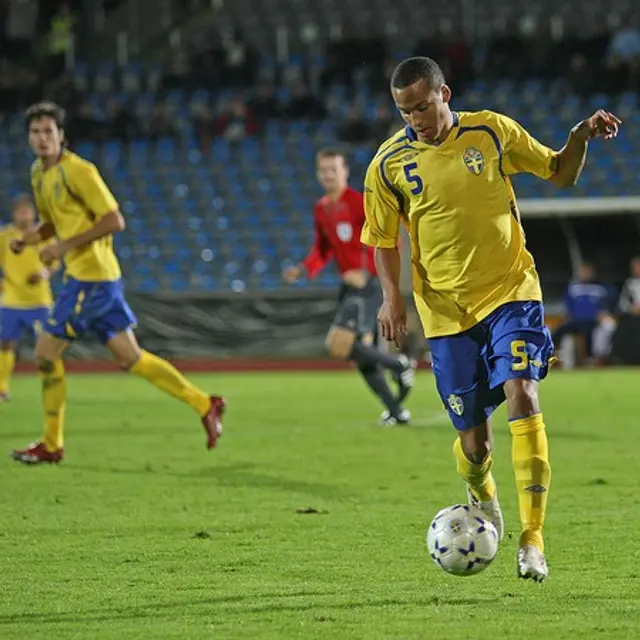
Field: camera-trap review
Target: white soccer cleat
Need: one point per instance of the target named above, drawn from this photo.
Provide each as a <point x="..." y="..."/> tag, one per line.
<point x="491" y="509"/>
<point x="387" y="420"/>
<point x="532" y="564"/>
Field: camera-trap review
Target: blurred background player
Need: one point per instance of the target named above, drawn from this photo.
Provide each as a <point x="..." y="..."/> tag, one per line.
<point x="476" y="286"/>
<point x="338" y="221"/>
<point x="25" y="289"/>
<point x="76" y="205"/>
<point x="589" y="305"/>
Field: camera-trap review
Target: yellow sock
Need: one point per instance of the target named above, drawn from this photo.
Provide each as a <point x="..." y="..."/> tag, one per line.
<point x="477" y="476"/>
<point x="531" y="467"/>
<point x="54" y="396"/>
<point x="166" y="377"/>
<point x="7" y="363"/>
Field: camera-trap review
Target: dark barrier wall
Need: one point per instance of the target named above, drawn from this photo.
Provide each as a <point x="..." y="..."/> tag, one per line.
<point x="273" y="325"/>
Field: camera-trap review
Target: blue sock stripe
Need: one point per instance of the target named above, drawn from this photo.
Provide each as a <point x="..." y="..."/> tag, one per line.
<point x="535" y="415"/>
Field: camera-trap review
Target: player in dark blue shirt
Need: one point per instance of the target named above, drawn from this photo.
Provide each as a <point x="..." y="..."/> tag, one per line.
<point x="589" y="303"/>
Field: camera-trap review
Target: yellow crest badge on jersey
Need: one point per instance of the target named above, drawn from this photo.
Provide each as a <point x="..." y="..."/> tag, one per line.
<point x="455" y="404"/>
<point x="473" y="160"/>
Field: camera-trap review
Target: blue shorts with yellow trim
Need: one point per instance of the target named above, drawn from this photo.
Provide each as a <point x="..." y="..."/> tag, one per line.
<point x="14" y="323"/>
<point x="472" y="367"/>
<point x="99" y="307"/>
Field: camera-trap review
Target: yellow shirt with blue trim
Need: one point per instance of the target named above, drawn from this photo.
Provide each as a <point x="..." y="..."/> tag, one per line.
<point x="72" y="196"/>
<point x="467" y="243"/>
<point x="17" y="292"/>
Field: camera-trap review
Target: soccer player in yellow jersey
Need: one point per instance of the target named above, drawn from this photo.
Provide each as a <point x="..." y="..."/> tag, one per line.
<point x="446" y="175"/>
<point x="76" y="206"/>
<point x="25" y="296"/>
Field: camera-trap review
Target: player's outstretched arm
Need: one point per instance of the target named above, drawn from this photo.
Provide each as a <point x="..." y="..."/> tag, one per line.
<point x="571" y="158"/>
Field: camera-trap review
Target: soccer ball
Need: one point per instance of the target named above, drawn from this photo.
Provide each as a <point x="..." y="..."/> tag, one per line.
<point x="461" y="540"/>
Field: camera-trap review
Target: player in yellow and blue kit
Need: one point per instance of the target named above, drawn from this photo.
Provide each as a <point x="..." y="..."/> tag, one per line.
<point x="446" y="175"/>
<point x="76" y="206"/>
<point x="25" y="290"/>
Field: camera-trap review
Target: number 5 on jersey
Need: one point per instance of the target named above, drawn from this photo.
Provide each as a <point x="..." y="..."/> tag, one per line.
<point x="520" y="355"/>
<point x="410" y="173"/>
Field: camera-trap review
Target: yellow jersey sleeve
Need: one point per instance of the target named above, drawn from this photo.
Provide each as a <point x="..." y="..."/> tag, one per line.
<point x="381" y="208"/>
<point x="85" y="182"/>
<point x="522" y="153"/>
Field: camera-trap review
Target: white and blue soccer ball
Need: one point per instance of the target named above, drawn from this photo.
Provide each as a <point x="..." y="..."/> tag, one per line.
<point x="461" y="540"/>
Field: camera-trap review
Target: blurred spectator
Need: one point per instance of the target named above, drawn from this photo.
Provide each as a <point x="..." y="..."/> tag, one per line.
<point x="161" y="124"/>
<point x="355" y="128"/>
<point x="626" y="341"/>
<point x="385" y="123"/>
<point x="355" y="52"/>
<point x="61" y="31"/>
<point x="580" y="77"/>
<point x="630" y="296"/>
<point x="457" y="54"/>
<point x="122" y="125"/>
<point x="236" y="122"/>
<point x="305" y="105"/>
<point x="19" y="85"/>
<point x="240" y="62"/>
<point x="178" y="72"/>
<point x="625" y="44"/>
<point x="266" y="105"/>
<point x="21" y="23"/>
<point x="84" y="127"/>
<point x="205" y="128"/>
<point x="588" y="305"/>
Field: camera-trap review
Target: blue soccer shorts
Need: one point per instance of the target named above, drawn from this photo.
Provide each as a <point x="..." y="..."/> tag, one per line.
<point x="14" y="323"/>
<point x="97" y="307"/>
<point x="471" y="367"/>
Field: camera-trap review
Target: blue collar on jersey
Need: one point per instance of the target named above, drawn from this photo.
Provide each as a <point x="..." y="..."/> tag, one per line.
<point x="411" y="134"/>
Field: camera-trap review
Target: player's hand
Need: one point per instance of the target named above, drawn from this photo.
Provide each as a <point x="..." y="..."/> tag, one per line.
<point x="52" y="252"/>
<point x="602" y="124"/>
<point x="34" y="278"/>
<point x="392" y="319"/>
<point x="17" y="245"/>
<point x="292" y="274"/>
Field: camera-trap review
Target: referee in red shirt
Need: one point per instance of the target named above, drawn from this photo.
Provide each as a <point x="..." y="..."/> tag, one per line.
<point x="338" y="221"/>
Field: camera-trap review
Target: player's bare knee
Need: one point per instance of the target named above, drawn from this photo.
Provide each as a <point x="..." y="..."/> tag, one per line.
<point x="522" y="397"/>
<point x="339" y="343"/>
<point x="6" y="345"/>
<point x="126" y="361"/>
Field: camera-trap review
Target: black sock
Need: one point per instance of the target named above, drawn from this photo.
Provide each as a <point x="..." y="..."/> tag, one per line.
<point x="365" y="356"/>
<point x="375" y="379"/>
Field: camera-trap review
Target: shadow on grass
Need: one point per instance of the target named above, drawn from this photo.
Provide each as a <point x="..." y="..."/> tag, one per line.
<point x="251" y="604"/>
<point x="235" y="476"/>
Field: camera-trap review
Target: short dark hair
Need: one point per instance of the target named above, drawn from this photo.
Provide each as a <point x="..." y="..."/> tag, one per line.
<point x="333" y="152"/>
<point x="412" y="70"/>
<point x="21" y="200"/>
<point x="45" y="110"/>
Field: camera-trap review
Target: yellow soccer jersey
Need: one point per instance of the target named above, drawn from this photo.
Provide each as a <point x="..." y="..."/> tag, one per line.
<point x="17" y="293"/>
<point x="467" y="243"/>
<point x="72" y="196"/>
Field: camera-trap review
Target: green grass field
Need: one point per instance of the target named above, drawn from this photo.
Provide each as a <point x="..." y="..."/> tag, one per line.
<point x="308" y="521"/>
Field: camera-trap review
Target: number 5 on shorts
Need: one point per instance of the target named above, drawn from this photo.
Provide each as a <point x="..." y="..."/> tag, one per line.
<point x="521" y="357"/>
